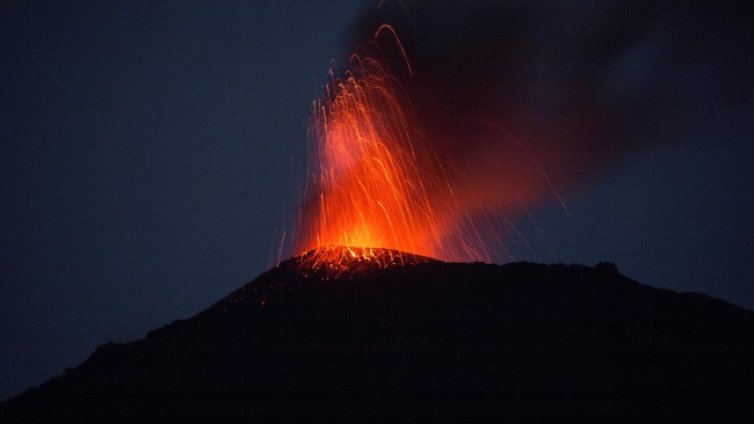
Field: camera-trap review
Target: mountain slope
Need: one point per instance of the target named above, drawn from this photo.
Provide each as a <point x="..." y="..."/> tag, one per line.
<point x="430" y="340"/>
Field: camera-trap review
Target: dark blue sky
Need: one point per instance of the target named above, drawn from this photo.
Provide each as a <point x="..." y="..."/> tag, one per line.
<point x="148" y="154"/>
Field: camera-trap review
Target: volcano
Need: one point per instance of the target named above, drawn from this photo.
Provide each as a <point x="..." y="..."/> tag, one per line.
<point x="353" y="335"/>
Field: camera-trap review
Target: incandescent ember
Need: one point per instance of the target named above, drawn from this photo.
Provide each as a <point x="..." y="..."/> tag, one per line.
<point x="373" y="179"/>
<point x="340" y="261"/>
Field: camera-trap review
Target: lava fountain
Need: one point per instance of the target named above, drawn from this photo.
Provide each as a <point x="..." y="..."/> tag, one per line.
<point x="373" y="179"/>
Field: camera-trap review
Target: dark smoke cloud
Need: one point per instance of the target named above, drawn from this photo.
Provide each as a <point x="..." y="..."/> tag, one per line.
<point x="511" y="91"/>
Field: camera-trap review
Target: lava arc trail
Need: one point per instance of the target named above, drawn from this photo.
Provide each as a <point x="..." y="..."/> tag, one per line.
<point x="373" y="179"/>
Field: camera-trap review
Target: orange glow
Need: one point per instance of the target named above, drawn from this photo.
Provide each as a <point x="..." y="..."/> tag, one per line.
<point x="373" y="180"/>
<point x="336" y="261"/>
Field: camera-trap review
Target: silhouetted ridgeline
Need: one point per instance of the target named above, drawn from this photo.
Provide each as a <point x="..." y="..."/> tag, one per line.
<point x="439" y="341"/>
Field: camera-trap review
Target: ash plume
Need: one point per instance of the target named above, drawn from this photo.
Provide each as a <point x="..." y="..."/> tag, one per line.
<point x="527" y="102"/>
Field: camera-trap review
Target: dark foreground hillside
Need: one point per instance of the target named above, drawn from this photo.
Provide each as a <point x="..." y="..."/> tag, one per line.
<point x="427" y="341"/>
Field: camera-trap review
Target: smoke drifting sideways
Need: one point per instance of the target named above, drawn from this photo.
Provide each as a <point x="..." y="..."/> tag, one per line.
<point x="527" y="103"/>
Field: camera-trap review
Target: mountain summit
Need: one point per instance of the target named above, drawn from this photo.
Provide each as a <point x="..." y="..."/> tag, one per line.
<point x="379" y="335"/>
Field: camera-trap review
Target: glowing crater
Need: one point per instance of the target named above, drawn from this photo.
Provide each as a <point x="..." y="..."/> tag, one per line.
<point x="339" y="261"/>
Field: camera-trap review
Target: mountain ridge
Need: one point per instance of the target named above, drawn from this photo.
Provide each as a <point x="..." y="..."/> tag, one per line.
<point x="430" y="339"/>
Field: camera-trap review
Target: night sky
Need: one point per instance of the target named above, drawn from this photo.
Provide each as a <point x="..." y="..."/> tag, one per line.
<point x="149" y="154"/>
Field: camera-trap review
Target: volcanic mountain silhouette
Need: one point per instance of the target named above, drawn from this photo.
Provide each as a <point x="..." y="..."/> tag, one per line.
<point x="396" y="337"/>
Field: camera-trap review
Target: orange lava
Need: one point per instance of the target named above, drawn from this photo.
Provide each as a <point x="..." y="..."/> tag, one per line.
<point x="373" y="179"/>
<point x="338" y="261"/>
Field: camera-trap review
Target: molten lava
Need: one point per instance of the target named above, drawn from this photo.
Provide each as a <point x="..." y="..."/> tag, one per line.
<point x="339" y="261"/>
<point x="373" y="179"/>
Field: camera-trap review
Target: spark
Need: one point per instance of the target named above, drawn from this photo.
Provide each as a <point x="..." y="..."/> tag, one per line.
<point x="376" y="184"/>
<point x="373" y="182"/>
